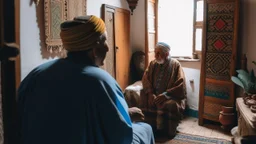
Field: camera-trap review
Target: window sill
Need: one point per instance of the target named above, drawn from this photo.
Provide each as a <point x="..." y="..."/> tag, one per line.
<point x="187" y="60"/>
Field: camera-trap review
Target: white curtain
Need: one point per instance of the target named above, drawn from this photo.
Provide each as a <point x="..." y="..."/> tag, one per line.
<point x="175" y="21"/>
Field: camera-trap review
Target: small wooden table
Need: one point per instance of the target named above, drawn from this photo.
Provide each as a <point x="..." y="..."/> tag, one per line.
<point x="246" y="119"/>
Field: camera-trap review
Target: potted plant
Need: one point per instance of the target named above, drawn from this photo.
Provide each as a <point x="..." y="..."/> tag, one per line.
<point x="247" y="81"/>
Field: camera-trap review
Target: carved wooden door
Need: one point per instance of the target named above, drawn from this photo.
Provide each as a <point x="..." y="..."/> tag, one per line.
<point x="219" y="56"/>
<point x="109" y="17"/>
<point x="118" y="30"/>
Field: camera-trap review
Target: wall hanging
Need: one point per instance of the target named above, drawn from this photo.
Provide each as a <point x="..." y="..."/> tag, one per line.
<point x="55" y="12"/>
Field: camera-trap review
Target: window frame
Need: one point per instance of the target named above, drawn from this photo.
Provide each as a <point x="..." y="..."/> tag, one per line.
<point x="197" y="25"/>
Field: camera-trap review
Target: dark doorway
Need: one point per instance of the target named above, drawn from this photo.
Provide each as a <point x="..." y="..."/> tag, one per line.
<point x="8" y="52"/>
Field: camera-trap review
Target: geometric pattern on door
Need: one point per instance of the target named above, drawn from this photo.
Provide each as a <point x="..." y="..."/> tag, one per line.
<point x="217" y="90"/>
<point x="220" y="27"/>
<point x="221" y="8"/>
<point x="212" y="110"/>
<point x="218" y="66"/>
<point x="219" y="43"/>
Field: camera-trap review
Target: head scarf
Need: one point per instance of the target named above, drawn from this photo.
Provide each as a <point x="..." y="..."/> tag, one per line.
<point x="82" y="33"/>
<point x="163" y="46"/>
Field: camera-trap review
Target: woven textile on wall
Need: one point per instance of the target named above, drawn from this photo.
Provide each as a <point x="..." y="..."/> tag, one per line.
<point x="220" y="31"/>
<point x="55" y="12"/>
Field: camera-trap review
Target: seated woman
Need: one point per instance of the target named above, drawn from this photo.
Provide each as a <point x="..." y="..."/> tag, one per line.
<point x="164" y="87"/>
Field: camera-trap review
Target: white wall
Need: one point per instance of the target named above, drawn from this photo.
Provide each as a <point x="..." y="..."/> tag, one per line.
<point x="248" y="31"/>
<point x="30" y="43"/>
<point x="138" y="27"/>
<point x="192" y="73"/>
<point x="94" y="6"/>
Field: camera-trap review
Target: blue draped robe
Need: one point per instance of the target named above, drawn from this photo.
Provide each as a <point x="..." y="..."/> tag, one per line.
<point x="62" y="102"/>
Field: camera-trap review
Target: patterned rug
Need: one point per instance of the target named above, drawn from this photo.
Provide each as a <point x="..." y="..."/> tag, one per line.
<point x="182" y="138"/>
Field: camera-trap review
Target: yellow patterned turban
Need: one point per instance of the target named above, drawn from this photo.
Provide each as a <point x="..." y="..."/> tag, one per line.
<point x="82" y="33"/>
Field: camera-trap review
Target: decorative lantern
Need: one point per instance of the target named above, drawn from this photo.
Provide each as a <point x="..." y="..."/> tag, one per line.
<point x="132" y="5"/>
